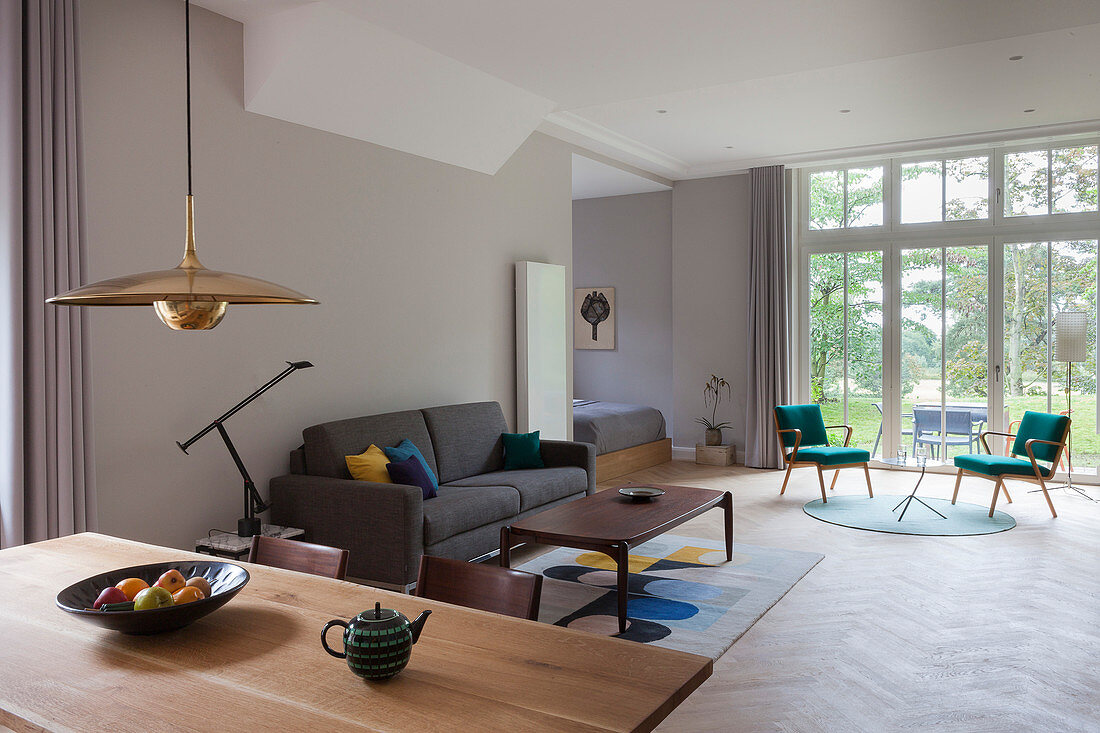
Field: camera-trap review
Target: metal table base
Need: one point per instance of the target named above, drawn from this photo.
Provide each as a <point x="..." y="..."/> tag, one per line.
<point x="913" y="497"/>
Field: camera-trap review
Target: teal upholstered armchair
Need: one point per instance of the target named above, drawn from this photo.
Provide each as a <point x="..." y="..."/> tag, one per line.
<point x="1041" y="437"/>
<point x="804" y="442"/>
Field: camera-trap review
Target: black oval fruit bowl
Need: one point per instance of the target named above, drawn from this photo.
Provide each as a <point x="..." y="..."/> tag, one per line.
<point x="226" y="580"/>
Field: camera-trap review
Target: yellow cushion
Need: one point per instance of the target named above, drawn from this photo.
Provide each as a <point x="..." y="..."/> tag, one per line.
<point x="369" y="466"/>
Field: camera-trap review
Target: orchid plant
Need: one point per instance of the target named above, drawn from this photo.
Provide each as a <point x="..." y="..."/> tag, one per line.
<point x="712" y="397"/>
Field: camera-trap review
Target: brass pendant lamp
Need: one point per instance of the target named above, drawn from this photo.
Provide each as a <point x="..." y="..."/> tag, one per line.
<point x="188" y="297"/>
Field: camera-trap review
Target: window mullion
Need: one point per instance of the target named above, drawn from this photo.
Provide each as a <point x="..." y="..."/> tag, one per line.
<point x="844" y="392"/>
<point x="943" y="353"/>
<point x="844" y="212"/>
<point x="943" y="190"/>
<point x="1050" y="325"/>
<point x="1050" y="181"/>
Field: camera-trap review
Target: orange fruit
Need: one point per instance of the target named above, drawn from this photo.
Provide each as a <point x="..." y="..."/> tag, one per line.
<point x="187" y="594"/>
<point x="171" y="581"/>
<point x="131" y="587"/>
<point x="200" y="582"/>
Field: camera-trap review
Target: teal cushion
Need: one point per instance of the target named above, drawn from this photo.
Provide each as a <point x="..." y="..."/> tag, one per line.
<point x="806" y="418"/>
<point x="1040" y="426"/>
<point x="521" y="450"/>
<point x="995" y="465"/>
<point x="406" y="449"/>
<point x="830" y="456"/>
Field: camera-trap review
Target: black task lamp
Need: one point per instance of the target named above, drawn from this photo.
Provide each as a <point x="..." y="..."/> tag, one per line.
<point x="249" y="524"/>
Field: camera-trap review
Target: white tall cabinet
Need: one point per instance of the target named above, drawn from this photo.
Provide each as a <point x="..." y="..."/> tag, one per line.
<point x="542" y="351"/>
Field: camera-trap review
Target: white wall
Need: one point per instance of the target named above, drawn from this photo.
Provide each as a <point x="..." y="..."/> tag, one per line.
<point x="710" y="261"/>
<point x="626" y="242"/>
<point x="412" y="261"/>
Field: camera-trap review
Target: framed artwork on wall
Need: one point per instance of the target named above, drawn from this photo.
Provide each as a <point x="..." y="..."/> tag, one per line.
<point x="594" y="318"/>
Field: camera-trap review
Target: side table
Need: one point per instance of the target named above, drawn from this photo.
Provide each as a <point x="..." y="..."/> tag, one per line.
<point x="927" y="463"/>
<point x="231" y="545"/>
<point x="715" y="455"/>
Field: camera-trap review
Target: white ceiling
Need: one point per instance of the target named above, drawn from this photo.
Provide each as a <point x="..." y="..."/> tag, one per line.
<point x="593" y="179"/>
<point x="744" y="82"/>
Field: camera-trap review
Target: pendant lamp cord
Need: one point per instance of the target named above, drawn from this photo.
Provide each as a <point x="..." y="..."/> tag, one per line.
<point x="187" y="43"/>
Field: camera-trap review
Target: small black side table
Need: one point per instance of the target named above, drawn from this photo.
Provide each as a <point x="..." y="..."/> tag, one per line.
<point x="912" y="462"/>
<point x="233" y="546"/>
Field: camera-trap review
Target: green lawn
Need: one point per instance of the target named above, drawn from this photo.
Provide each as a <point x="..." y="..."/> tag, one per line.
<point x="865" y="420"/>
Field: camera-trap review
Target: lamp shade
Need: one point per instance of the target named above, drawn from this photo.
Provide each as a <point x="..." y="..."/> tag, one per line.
<point x="187" y="297"/>
<point x="1071" y="331"/>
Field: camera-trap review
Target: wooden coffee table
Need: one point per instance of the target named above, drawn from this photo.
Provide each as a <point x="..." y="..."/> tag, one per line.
<point x="611" y="523"/>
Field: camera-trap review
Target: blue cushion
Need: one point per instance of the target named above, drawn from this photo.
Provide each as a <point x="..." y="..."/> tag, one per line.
<point x="522" y="450"/>
<point x="1040" y="426"/>
<point x="806" y="418"/>
<point x="831" y="456"/>
<point x="995" y="465"/>
<point x="412" y="472"/>
<point x="407" y="448"/>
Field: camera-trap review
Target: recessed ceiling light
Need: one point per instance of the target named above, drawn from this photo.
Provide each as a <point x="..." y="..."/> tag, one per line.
<point x="662" y="111"/>
<point x="729" y="147"/>
<point x="845" y="111"/>
<point x="1015" y="58"/>
<point x="1030" y="110"/>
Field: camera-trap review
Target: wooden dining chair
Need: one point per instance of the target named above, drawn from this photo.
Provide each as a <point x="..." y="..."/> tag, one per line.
<point x="1041" y="437"/>
<point x="477" y="585"/>
<point x="305" y="557"/>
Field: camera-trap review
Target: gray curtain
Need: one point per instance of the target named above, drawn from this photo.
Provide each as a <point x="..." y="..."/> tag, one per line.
<point x="46" y="488"/>
<point x="769" y="316"/>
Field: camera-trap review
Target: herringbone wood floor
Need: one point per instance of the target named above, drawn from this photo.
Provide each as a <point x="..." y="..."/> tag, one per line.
<point x="896" y="633"/>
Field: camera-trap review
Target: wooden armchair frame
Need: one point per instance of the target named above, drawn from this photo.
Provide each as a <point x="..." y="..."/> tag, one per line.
<point x="793" y="462"/>
<point x="1039" y="477"/>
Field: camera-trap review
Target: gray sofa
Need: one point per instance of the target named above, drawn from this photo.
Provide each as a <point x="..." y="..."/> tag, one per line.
<point x="387" y="527"/>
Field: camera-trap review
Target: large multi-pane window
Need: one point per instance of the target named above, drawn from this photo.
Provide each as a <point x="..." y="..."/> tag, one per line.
<point x="931" y="288"/>
<point x="1050" y="181"/>
<point x="849" y="198"/>
<point x="948" y="189"/>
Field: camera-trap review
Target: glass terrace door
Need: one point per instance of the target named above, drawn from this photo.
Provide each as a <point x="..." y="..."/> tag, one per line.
<point x="1042" y="280"/>
<point x="944" y="353"/>
<point x="846" y="343"/>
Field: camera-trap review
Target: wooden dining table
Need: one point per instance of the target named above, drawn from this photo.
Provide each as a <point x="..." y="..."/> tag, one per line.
<point x="257" y="662"/>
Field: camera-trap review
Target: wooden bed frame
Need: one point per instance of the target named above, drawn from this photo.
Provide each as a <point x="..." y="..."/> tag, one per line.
<point x="627" y="460"/>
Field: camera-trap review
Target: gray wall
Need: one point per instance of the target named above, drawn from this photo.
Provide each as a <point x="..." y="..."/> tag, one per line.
<point x="412" y="261"/>
<point x="703" y="225"/>
<point x="710" y="260"/>
<point x="626" y="242"/>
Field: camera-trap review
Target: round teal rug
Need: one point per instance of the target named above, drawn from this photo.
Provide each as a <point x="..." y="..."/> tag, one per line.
<point x="875" y="515"/>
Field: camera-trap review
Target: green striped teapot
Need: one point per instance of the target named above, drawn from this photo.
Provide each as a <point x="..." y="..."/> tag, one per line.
<point x="377" y="643"/>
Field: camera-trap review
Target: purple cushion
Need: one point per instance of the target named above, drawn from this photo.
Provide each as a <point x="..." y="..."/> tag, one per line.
<point x="410" y="472"/>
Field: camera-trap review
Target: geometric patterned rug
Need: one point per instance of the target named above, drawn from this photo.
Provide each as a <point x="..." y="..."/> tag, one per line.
<point x="682" y="592"/>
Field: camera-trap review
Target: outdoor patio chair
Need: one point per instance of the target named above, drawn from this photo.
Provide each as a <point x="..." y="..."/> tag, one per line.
<point x="1041" y="437"/>
<point x="878" y="406"/>
<point x="961" y="428"/>
<point x="801" y="430"/>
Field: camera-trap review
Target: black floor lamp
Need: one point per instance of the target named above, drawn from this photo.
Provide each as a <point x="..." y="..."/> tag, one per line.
<point x="249" y="524"/>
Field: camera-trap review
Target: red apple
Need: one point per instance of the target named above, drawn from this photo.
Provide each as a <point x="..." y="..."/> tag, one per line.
<point x="110" y="595"/>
